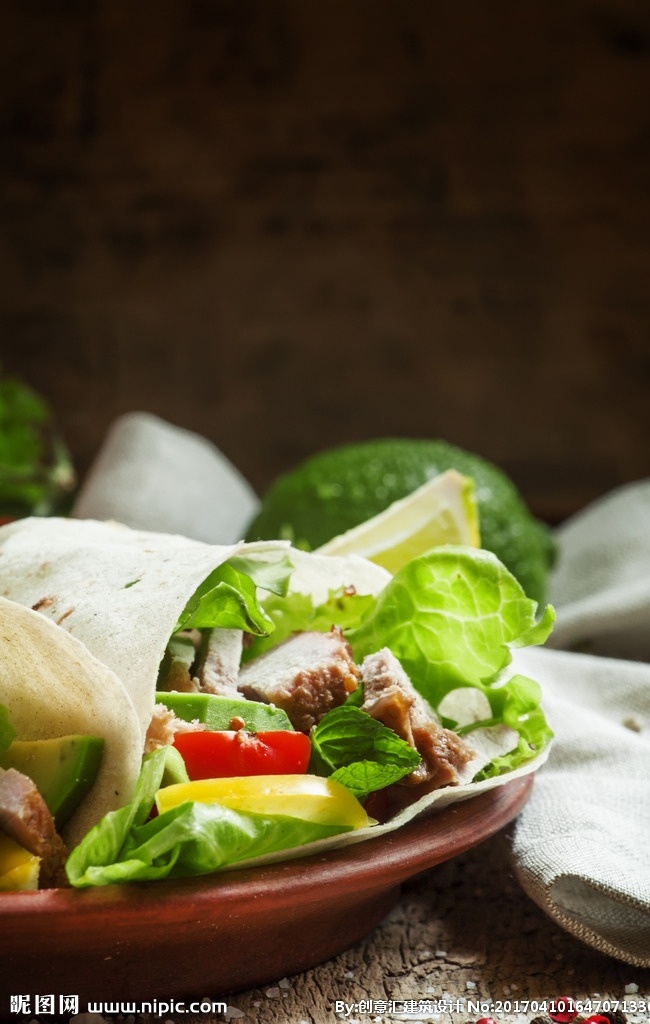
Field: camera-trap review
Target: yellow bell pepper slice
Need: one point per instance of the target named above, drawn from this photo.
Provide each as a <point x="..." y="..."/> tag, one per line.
<point x="308" y="797"/>
<point x="19" y="869"/>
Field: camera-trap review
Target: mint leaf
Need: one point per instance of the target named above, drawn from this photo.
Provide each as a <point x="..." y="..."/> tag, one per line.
<point x="359" y="751"/>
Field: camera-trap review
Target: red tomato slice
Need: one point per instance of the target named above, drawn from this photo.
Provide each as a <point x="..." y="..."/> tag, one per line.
<point x="223" y="754"/>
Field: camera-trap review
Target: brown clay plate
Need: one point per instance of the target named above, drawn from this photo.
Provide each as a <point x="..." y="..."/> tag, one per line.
<point x="234" y="930"/>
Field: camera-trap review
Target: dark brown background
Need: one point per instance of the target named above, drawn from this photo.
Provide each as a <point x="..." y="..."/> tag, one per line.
<point x="287" y="225"/>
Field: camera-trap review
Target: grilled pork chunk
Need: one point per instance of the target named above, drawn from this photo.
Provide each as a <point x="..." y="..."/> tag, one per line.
<point x="391" y="698"/>
<point x="305" y="675"/>
<point x="25" y="817"/>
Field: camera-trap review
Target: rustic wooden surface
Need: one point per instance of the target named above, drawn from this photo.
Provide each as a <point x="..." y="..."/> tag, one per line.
<point x="287" y="225"/>
<point x="462" y="931"/>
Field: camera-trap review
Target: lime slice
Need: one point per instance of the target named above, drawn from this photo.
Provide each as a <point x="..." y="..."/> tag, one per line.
<point x="442" y="511"/>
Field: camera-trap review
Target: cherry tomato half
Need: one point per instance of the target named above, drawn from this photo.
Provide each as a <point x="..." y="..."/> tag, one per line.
<point x="220" y="755"/>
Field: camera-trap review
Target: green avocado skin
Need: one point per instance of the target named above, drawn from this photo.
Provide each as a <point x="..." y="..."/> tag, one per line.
<point x="63" y="769"/>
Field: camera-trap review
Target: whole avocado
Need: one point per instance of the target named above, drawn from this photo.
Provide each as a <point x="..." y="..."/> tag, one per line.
<point x="336" y="489"/>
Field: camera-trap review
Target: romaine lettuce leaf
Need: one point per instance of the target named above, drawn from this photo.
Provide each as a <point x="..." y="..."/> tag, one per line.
<point x="227" y="598"/>
<point x="273" y="576"/>
<point x="296" y="612"/>
<point x="197" y="838"/>
<point x="101" y="846"/>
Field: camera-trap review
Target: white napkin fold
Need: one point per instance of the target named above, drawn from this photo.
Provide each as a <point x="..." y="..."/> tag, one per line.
<point x="581" y="845"/>
<point x="601" y="583"/>
<point x="151" y="475"/>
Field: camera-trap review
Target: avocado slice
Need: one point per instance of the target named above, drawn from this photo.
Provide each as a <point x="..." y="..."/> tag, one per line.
<point x="174" y="770"/>
<point x="217" y="712"/>
<point x="63" y="769"/>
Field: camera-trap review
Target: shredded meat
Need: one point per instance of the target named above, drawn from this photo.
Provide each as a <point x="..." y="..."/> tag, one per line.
<point x="163" y="727"/>
<point x="25" y="817"/>
<point x="305" y="675"/>
<point x="391" y="698"/>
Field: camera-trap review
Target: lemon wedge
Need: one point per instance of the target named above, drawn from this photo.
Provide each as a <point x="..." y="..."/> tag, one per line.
<point x="441" y="511"/>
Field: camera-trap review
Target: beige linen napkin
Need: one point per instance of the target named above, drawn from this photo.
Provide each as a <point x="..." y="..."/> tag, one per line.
<point x="151" y="475"/>
<point x="581" y="846"/>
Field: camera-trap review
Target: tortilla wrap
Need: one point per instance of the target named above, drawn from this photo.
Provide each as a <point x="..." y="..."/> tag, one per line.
<point x="52" y="686"/>
<point x="120" y="593"/>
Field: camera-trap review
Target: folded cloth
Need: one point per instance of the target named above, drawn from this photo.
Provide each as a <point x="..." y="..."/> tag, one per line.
<point x="580" y="847"/>
<point x="151" y="475"/>
<point x="601" y="583"/>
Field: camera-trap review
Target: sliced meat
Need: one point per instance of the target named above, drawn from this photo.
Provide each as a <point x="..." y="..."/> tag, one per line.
<point x="219" y="660"/>
<point x="176" y="668"/>
<point x="164" y="726"/>
<point x="25" y="817"/>
<point x="305" y="675"/>
<point x="391" y="698"/>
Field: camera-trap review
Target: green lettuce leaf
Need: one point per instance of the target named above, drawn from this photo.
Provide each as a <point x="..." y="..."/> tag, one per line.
<point x="452" y="618"/>
<point x="36" y="472"/>
<point x="228" y="599"/>
<point x="191" y="839"/>
<point x="273" y="576"/>
<point x="359" y="752"/>
<point x="297" y="612"/>
<point x="101" y="846"/>
<point x="517" y="703"/>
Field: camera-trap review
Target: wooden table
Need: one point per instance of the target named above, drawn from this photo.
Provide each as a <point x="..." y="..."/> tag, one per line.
<point x="461" y="933"/>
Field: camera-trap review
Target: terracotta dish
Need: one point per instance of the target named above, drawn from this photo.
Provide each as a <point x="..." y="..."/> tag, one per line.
<point x="231" y="931"/>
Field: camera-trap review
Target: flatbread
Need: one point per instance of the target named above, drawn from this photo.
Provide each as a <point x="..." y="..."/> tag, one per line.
<point x="120" y="592"/>
<point x="52" y="686"/>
